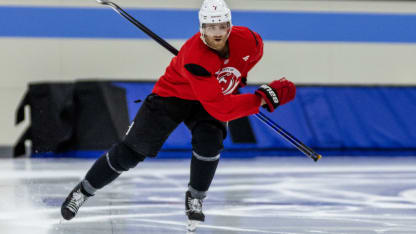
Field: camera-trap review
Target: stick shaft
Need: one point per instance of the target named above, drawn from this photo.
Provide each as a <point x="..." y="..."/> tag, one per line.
<point x="142" y="27"/>
<point x="289" y="137"/>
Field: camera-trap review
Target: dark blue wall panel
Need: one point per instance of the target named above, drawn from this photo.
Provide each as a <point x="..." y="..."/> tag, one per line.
<point x="332" y="120"/>
<point x="340" y="120"/>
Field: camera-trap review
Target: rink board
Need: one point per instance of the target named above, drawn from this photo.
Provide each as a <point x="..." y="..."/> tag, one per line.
<point x="333" y="120"/>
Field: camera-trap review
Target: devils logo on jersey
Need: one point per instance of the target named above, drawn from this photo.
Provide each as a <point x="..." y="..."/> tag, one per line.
<point x="228" y="78"/>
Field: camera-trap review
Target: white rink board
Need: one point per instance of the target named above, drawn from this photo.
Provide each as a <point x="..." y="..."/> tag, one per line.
<point x="304" y="63"/>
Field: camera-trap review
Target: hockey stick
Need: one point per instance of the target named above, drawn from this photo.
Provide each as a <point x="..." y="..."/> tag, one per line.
<point x="293" y="140"/>
<point x="289" y="137"/>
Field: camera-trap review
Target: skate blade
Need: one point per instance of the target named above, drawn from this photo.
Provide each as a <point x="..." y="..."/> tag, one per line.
<point x="192" y="225"/>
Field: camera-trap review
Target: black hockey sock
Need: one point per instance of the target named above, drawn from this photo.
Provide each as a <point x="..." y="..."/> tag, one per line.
<point x="108" y="167"/>
<point x="202" y="173"/>
<point x="100" y="174"/>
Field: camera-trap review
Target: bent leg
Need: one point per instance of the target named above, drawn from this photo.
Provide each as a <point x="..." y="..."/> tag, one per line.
<point x="207" y="138"/>
<point x="149" y="130"/>
<point x="207" y="144"/>
<point x="145" y="137"/>
<point x="105" y="170"/>
<point x="109" y="166"/>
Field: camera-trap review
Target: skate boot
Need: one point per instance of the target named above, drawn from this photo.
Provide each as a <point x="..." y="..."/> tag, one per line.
<point x="73" y="202"/>
<point x="193" y="208"/>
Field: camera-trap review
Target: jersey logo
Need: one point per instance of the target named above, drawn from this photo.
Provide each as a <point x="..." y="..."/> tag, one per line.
<point x="228" y="78"/>
<point x="246" y="58"/>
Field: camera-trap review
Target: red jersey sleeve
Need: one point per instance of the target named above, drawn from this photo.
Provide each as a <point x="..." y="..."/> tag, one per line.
<point x="258" y="51"/>
<point x="256" y="42"/>
<point x="220" y="106"/>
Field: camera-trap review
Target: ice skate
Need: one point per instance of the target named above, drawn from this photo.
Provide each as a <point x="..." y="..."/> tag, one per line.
<point x="193" y="208"/>
<point x="73" y="202"/>
<point x="192" y="225"/>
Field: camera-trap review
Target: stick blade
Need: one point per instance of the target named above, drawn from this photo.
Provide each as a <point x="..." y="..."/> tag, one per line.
<point x="316" y="157"/>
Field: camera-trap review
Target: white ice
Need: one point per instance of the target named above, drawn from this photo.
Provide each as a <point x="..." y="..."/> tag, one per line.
<point x="264" y="195"/>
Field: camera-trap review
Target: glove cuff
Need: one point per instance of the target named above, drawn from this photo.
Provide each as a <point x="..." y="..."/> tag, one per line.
<point x="269" y="95"/>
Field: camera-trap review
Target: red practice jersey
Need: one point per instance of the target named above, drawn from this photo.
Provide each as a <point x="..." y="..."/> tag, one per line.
<point x="199" y="73"/>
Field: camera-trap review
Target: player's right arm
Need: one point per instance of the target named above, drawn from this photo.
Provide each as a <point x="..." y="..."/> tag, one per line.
<point x="222" y="107"/>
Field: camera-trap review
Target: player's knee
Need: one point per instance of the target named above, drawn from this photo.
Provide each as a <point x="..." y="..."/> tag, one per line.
<point x="122" y="158"/>
<point x="207" y="140"/>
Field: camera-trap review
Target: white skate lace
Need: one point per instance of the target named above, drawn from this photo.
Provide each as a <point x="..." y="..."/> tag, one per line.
<point x="76" y="201"/>
<point x="195" y="205"/>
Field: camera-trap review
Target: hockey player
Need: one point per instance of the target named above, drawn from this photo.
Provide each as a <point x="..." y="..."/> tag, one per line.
<point x="199" y="89"/>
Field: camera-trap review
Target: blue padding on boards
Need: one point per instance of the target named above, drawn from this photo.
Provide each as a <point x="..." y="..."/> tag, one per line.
<point x="333" y="119"/>
<point x="342" y="120"/>
<point x="353" y="119"/>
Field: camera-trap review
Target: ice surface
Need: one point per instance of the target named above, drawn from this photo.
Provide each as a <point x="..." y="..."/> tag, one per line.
<point x="265" y="195"/>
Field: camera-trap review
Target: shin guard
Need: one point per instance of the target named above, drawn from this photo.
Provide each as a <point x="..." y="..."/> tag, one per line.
<point x="202" y="172"/>
<point x="108" y="167"/>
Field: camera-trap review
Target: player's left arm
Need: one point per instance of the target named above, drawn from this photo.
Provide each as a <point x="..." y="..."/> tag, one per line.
<point x="257" y="53"/>
<point x="256" y="43"/>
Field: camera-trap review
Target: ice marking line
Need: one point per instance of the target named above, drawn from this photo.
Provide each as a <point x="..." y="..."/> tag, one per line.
<point x="171" y="181"/>
<point x="95" y="218"/>
<point x="40" y="222"/>
<point x="347" y="197"/>
<point x="8" y="215"/>
<point x="6" y="175"/>
<point x="170" y="227"/>
<point x="409" y="195"/>
<point x="309" y="214"/>
<point x="211" y="226"/>
<point x="166" y="199"/>
<point x="112" y="217"/>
